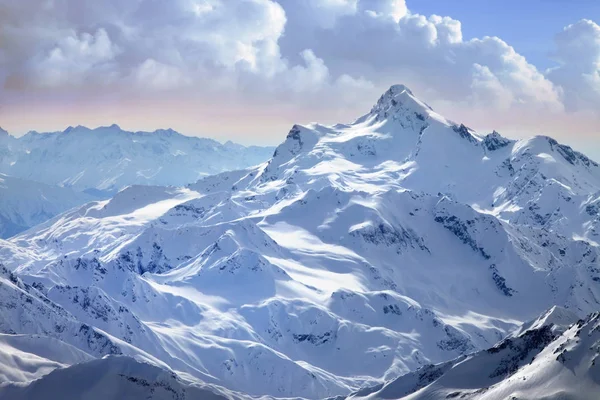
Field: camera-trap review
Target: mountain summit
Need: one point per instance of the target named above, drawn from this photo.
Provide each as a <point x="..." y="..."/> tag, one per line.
<point x="399" y="98"/>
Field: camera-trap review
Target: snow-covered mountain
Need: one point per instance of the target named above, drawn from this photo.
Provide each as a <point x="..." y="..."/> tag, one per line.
<point x="44" y="174"/>
<point x="357" y="254"/>
<point x="107" y="159"/>
<point x="550" y="359"/>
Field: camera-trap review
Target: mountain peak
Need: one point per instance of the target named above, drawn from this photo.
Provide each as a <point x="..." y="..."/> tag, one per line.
<point x="3" y="132"/>
<point x="399" y="88"/>
<point x="556" y="318"/>
<point x="77" y="128"/>
<point x="399" y="99"/>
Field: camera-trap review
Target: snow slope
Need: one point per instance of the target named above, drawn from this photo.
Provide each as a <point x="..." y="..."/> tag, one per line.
<point x="113" y="378"/>
<point x="107" y="159"/>
<point x="358" y="254"/>
<point x="553" y="357"/>
<point x="24" y="358"/>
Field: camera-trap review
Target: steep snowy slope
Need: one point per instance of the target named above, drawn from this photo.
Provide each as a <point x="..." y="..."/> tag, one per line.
<point x="24" y="358"/>
<point x="113" y="378"/>
<point x="107" y="159"/>
<point x="25" y="203"/>
<point x="550" y="359"/>
<point x="357" y="254"/>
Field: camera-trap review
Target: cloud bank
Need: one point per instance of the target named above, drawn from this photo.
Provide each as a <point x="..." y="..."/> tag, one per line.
<point x="198" y="65"/>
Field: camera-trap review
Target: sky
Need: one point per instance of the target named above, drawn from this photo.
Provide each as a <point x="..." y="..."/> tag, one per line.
<point x="527" y="25"/>
<point x="246" y="70"/>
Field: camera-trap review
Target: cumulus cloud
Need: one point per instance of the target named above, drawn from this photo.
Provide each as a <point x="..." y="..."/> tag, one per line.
<point x="317" y="57"/>
<point x="152" y="74"/>
<point x="488" y="89"/>
<point x="74" y="37"/>
<point x="430" y="53"/>
<point x="395" y="9"/>
<point x="310" y="77"/>
<point x="578" y="52"/>
<point x="73" y="59"/>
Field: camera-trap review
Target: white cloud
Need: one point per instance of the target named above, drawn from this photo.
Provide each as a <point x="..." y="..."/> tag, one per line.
<point x="578" y="52"/>
<point x="311" y="77"/>
<point x="427" y="53"/>
<point x="74" y="58"/>
<point x="487" y="89"/>
<point x="395" y="9"/>
<point x="152" y="74"/>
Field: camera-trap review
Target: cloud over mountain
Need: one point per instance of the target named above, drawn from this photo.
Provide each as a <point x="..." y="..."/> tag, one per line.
<point x="285" y="54"/>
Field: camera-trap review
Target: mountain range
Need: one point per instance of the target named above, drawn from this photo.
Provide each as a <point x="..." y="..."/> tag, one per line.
<point x="402" y="255"/>
<point x="44" y="174"/>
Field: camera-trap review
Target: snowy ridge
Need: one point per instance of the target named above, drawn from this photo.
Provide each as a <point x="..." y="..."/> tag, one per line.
<point x="546" y="360"/>
<point x="357" y="254"/>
